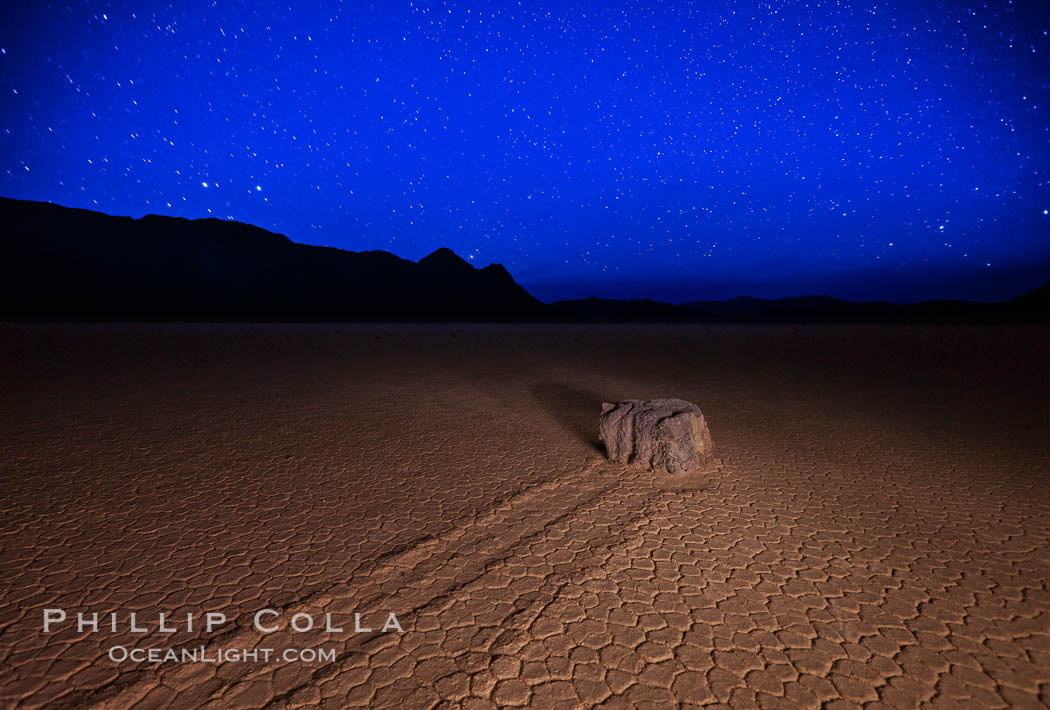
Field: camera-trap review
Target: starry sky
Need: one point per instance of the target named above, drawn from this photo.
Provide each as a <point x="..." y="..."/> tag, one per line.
<point x="677" y="150"/>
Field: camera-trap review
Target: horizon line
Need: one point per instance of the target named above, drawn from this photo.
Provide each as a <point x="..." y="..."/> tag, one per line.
<point x="529" y="289"/>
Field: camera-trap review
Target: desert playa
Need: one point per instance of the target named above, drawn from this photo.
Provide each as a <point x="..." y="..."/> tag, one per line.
<point x="874" y="532"/>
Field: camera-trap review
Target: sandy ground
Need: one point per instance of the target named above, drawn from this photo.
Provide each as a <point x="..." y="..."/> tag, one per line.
<point x="874" y="533"/>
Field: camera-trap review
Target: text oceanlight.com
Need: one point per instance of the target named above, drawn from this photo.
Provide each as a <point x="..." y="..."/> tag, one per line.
<point x="200" y="654"/>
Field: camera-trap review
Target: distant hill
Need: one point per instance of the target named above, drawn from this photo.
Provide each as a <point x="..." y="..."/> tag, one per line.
<point x="61" y="263"/>
<point x="805" y="309"/>
<point x="1035" y="300"/>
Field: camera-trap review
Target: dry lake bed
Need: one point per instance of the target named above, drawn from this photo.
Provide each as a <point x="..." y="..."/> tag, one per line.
<point x="248" y="516"/>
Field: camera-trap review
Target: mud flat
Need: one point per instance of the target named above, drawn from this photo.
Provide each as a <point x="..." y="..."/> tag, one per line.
<point x="876" y="528"/>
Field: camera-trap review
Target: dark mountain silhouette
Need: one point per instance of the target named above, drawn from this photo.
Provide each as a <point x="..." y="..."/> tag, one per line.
<point x="61" y="263"/>
<point x="805" y="309"/>
<point x="1035" y="300"/>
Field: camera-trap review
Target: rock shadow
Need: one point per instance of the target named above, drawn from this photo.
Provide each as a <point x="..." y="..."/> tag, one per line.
<point x="574" y="408"/>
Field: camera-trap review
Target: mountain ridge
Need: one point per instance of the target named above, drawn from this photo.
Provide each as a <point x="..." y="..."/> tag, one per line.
<point x="66" y="263"/>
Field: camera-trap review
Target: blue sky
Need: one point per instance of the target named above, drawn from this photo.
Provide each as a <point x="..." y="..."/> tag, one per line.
<point x="894" y="150"/>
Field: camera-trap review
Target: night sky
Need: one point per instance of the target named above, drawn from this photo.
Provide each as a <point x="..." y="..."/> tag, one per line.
<point x="894" y="150"/>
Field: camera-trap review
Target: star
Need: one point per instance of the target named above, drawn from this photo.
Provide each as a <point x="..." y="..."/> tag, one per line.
<point x="523" y="136"/>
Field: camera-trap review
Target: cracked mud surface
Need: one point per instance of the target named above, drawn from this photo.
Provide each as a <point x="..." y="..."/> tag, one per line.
<point x="874" y="533"/>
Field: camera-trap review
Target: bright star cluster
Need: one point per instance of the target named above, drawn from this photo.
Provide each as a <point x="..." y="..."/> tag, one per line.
<point x="678" y="150"/>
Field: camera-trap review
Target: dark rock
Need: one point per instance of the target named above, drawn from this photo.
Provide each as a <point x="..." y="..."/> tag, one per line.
<point x="664" y="435"/>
